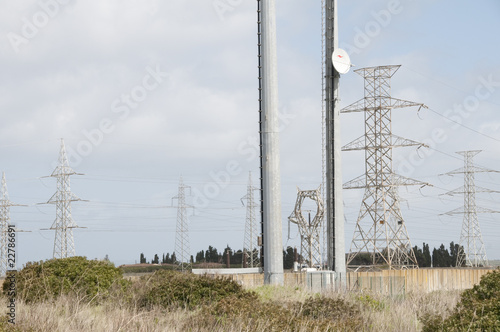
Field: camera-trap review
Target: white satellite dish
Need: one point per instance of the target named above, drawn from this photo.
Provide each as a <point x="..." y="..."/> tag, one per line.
<point x="341" y="61"/>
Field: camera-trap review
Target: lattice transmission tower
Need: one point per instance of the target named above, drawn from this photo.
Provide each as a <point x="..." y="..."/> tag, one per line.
<point x="250" y="245"/>
<point x="471" y="247"/>
<point x="310" y="245"/>
<point x="64" y="245"/>
<point x="380" y="228"/>
<point x="182" y="249"/>
<point x="5" y="205"/>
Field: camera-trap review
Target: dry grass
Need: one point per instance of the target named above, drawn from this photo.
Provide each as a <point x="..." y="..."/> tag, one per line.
<point x="70" y="316"/>
<point x="379" y="313"/>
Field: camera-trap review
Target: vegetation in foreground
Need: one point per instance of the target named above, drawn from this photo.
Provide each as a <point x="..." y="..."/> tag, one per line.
<point x="76" y="294"/>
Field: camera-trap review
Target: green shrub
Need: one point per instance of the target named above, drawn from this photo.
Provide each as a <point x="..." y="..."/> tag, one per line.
<point x="169" y="288"/>
<point x="317" y="313"/>
<point x="86" y="279"/>
<point x="370" y="301"/>
<point x="478" y="309"/>
<point x="338" y="312"/>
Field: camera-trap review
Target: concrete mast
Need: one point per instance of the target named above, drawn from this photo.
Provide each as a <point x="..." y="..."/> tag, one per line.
<point x="335" y="208"/>
<point x="271" y="188"/>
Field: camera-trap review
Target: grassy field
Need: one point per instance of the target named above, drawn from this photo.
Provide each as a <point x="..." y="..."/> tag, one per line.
<point x="366" y="312"/>
<point x="76" y="294"/>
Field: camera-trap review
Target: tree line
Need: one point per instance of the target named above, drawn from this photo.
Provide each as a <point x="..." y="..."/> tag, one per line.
<point x="212" y="255"/>
<point x="440" y="257"/>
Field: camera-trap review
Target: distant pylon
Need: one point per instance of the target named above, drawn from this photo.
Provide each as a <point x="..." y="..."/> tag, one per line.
<point x="250" y="247"/>
<point x="5" y="205"/>
<point x="380" y="229"/>
<point x="64" y="245"/>
<point x="471" y="247"/>
<point x="182" y="250"/>
<point x="309" y="229"/>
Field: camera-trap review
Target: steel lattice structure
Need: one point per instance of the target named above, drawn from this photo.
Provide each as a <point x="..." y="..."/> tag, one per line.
<point x="5" y="205"/>
<point x="309" y="229"/>
<point x="472" y="251"/>
<point x="182" y="249"/>
<point x="64" y="245"/>
<point x="380" y="229"/>
<point x="250" y="247"/>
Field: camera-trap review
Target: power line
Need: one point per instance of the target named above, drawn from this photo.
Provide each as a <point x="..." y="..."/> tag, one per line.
<point x="462" y="125"/>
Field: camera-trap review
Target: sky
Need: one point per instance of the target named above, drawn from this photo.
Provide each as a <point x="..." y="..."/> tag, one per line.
<point x="144" y="92"/>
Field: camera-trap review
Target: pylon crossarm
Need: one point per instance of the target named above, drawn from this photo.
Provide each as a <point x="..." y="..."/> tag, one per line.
<point x="358" y="106"/>
<point x="470" y="169"/>
<point x="485" y="210"/>
<point x="462" y="190"/>
<point x="459" y="190"/>
<point x="400" y="103"/>
<point x="356" y="183"/>
<point x="387" y="102"/>
<point x="399" y="180"/>
<point x="358" y="144"/>
<point x="459" y="210"/>
<point x="398" y="141"/>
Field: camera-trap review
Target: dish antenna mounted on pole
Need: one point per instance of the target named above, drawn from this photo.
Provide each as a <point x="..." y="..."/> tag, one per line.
<point x="336" y="62"/>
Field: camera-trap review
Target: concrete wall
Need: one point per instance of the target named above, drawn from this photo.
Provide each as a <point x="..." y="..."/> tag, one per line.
<point x="387" y="282"/>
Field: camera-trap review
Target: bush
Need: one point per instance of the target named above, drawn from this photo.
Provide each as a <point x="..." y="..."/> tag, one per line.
<point x="478" y="309"/>
<point x="89" y="279"/>
<point x="175" y="289"/>
<point x="334" y="310"/>
<point x="318" y="313"/>
<point x="371" y="302"/>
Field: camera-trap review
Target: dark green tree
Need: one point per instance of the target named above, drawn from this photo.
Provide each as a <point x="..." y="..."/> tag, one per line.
<point x="427" y="255"/>
<point x="200" y="256"/>
<point x="155" y="260"/>
<point x="237" y="257"/>
<point x="419" y="255"/>
<point x="454" y="252"/>
<point x="142" y="259"/>
<point x="363" y="258"/>
<point x="288" y="258"/>
<point x="211" y="255"/>
<point x="441" y="257"/>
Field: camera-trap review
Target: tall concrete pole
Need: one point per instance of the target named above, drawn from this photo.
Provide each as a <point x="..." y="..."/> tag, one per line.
<point x="271" y="192"/>
<point x="335" y="208"/>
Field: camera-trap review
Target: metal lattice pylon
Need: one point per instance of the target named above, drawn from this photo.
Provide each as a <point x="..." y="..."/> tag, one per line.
<point x="250" y="247"/>
<point x="471" y="247"/>
<point x="64" y="245"/>
<point x="309" y="229"/>
<point x="5" y="205"/>
<point x="380" y="229"/>
<point x="182" y="249"/>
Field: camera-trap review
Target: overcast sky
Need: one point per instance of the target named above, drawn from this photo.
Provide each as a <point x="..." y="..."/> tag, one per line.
<point x="146" y="91"/>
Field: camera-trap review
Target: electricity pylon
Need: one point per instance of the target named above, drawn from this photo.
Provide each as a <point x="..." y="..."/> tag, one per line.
<point x="64" y="245"/>
<point x="309" y="229"/>
<point x="182" y="250"/>
<point x="380" y="229"/>
<point x="472" y="251"/>
<point x="5" y="205"/>
<point x="250" y="248"/>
